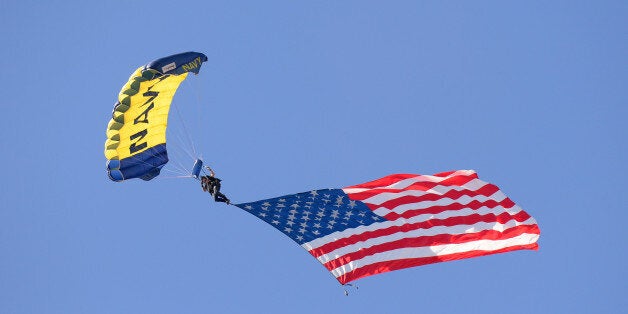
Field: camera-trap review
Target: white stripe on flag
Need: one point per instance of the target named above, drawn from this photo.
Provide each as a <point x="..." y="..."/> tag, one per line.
<point x="437" y="250"/>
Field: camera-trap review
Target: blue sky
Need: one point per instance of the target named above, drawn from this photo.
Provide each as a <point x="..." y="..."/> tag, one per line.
<point x="302" y="95"/>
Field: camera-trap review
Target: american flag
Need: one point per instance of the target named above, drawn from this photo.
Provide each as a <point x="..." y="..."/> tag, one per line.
<point x="400" y="221"/>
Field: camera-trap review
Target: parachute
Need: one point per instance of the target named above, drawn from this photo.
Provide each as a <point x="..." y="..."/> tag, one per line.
<point x="136" y="134"/>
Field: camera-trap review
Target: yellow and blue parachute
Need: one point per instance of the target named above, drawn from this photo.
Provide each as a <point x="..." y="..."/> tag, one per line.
<point x="136" y="134"/>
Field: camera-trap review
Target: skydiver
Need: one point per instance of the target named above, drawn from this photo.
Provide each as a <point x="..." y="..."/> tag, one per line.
<point x="211" y="184"/>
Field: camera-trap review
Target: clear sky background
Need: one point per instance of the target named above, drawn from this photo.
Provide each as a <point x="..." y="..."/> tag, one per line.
<point x="301" y="95"/>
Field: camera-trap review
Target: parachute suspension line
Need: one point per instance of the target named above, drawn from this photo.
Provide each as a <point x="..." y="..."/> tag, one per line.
<point x="177" y="160"/>
<point x="185" y="130"/>
<point x="176" y="177"/>
<point x="181" y="167"/>
<point x="178" y="166"/>
<point x="199" y="105"/>
<point x="178" y="172"/>
<point x="183" y="149"/>
<point x="180" y="144"/>
<point x="183" y="144"/>
<point x="174" y="165"/>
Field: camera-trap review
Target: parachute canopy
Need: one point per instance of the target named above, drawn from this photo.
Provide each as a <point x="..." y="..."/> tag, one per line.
<point x="136" y="134"/>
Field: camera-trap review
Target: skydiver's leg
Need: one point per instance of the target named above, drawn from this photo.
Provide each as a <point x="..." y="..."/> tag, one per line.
<point x="219" y="197"/>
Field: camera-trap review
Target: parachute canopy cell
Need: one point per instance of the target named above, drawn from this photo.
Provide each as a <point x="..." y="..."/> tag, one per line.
<point x="136" y="134"/>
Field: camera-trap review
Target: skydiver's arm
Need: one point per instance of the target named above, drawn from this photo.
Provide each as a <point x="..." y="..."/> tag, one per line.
<point x="211" y="172"/>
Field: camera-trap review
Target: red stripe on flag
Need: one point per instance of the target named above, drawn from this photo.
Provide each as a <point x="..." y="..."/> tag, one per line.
<point x="374" y="189"/>
<point x="426" y="241"/>
<point x="475" y="205"/>
<point x="395" y="178"/>
<point x="452" y="221"/>
<point x="485" y="191"/>
<point x="386" y="266"/>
